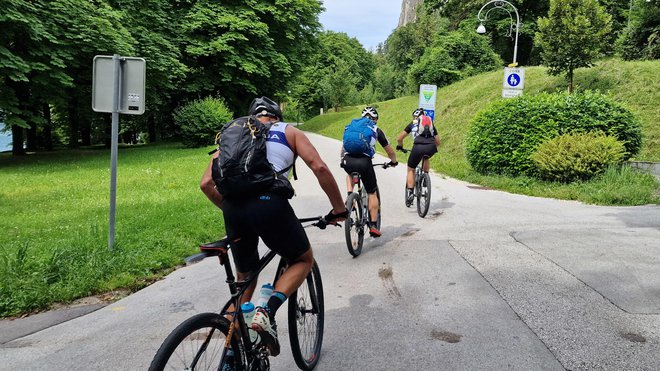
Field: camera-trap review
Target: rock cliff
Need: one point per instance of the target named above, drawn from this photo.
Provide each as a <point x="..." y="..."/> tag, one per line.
<point x="408" y="11"/>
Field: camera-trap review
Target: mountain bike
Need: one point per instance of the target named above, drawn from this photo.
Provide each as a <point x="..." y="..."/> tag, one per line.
<point x="357" y="222"/>
<point x="202" y="341"/>
<point x="422" y="188"/>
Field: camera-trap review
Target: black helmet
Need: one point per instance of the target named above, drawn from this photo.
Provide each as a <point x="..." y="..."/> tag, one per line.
<point x="418" y="112"/>
<point x="265" y="106"/>
<point x="368" y="110"/>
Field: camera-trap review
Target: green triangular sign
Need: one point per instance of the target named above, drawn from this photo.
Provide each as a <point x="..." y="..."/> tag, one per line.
<point x="427" y="95"/>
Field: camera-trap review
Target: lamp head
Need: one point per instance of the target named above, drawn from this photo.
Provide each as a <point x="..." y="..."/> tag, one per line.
<point x="481" y="29"/>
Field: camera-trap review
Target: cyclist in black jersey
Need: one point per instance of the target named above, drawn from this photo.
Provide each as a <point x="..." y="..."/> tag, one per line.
<point x="269" y="216"/>
<point x="361" y="163"/>
<point x="425" y="145"/>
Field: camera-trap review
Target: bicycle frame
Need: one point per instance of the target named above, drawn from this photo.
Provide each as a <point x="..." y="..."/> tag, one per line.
<point x="237" y="289"/>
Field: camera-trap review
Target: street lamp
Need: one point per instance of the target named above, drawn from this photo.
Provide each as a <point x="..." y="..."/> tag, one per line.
<point x="501" y="4"/>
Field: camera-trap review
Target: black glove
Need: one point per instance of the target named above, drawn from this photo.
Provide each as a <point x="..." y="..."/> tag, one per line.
<point x="399" y="147"/>
<point x="330" y="217"/>
<point x="392" y="164"/>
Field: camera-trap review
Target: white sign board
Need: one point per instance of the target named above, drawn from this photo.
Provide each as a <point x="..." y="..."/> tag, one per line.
<point x="514" y="78"/>
<point x="511" y="93"/>
<point x="427" y="96"/>
<point x="131" y="86"/>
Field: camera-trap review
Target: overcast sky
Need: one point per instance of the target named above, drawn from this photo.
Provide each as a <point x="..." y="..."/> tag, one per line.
<point x="370" y="21"/>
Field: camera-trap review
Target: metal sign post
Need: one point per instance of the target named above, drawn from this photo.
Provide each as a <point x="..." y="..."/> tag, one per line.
<point x="126" y="76"/>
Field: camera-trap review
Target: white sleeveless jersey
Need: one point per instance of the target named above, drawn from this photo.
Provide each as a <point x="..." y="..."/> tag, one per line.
<point x="279" y="152"/>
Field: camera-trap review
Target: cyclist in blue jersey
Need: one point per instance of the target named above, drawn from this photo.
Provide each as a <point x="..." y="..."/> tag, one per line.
<point x="361" y="163"/>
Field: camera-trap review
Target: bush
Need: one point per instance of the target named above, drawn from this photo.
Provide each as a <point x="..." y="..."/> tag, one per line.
<point x="452" y="57"/>
<point x="502" y="138"/>
<point x="201" y="120"/>
<point x="579" y="156"/>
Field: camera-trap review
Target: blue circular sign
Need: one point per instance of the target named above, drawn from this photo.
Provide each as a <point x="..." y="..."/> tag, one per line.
<point x="513" y="79"/>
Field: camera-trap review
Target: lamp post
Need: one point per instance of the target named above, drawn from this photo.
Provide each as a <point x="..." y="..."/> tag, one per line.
<point x="501" y="4"/>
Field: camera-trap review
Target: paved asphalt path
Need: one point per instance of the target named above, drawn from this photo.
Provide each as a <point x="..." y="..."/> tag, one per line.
<point x="487" y="281"/>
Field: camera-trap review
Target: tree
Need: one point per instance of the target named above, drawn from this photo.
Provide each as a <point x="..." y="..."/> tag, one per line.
<point x="31" y="65"/>
<point x="641" y="39"/>
<point x="572" y="36"/>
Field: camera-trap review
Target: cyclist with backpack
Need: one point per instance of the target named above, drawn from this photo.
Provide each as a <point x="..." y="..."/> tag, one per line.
<point x="425" y="145"/>
<point x="359" y="142"/>
<point x="248" y="180"/>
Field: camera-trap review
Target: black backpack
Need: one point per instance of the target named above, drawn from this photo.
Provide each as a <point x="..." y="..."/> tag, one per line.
<point x="242" y="168"/>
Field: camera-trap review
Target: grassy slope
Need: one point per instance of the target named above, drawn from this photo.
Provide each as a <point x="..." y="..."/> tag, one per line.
<point x="54" y="217"/>
<point x="635" y="84"/>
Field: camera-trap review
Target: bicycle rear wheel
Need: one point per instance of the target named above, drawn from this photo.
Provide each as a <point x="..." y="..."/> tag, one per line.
<point x="306" y="312"/>
<point x="353" y="226"/>
<point x="196" y="344"/>
<point x="424" y="198"/>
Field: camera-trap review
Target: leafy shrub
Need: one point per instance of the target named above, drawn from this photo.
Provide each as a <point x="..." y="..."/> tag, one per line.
<point x="452" y="57"/>
<point x="578" y="156"/>
<point x="503" y="136"/>
<point x="200" y="120"/>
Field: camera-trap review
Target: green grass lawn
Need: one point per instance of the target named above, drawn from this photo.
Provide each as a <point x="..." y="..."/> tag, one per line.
<point x="54" y="218"/>
<point x="635" y="84"/>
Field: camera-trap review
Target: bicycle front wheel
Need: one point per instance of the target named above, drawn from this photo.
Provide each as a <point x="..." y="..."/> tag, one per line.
<point x="196" y="344"/>
<point x="306" y="312"/>
<point x="424" y="199"/>
<point x="353" y="226"/>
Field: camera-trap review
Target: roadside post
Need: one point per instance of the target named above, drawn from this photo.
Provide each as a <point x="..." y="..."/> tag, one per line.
<point x="118" y="86"/>
<point x="427" y="96"/>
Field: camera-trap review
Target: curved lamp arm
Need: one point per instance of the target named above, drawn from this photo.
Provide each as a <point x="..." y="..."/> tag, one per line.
<point x="501" y="4"/>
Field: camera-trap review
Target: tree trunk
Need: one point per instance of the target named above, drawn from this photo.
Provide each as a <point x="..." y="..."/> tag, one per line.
<point x="48" y="128"/>
<point x="107" y="129"/>
<point x="74" y="124"/>
<point x="31" y="138"/>
<point x="85" y="131"/>
<point x="151" y="128"/>
<point x="570" y="81"/>
<point x="17" y="140"/>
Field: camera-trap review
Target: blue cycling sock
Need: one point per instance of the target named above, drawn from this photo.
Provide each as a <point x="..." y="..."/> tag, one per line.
<point x="274" y="303"/>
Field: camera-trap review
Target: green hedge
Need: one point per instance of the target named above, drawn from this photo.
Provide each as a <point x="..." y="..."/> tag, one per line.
<point x="201" y="120"/>
<point x="502" y="138"/>
<point x="579" y="156"/>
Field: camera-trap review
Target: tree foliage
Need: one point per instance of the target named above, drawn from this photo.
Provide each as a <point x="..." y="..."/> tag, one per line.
<point x="572" y="36"/>
<point x="641" y="38"/>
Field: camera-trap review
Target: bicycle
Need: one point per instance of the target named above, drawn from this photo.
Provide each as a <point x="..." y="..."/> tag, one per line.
<point x="202" y="341"/>
<point x="357" y="205"/>
<point x="421" y="190"/>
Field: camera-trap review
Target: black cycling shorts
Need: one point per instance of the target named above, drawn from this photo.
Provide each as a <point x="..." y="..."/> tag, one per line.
<point x="268" y="216"/>
<point x="363" y="166"/>
<point x="420" y="151"/>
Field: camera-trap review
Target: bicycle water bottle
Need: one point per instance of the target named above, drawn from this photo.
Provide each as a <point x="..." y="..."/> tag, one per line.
<point x="264" y="294"/>
<point x="248" y="310"/>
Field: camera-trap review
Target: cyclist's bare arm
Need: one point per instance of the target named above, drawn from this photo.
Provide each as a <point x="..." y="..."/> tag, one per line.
<point x="208" y="186"/>
<point x="437" y="140"/>
<point x="390" y="153"/>
<point x="302" y="147"/>
<point x="401" y="137"/>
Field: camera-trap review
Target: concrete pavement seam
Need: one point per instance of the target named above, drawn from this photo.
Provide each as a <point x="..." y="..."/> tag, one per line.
<point x="512" y="234"/>
<point x="507" y="303"/>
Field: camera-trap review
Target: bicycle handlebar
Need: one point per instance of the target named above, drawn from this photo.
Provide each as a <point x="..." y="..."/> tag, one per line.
<point x="404" y="150"/>
<point x="385" y="165"/>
